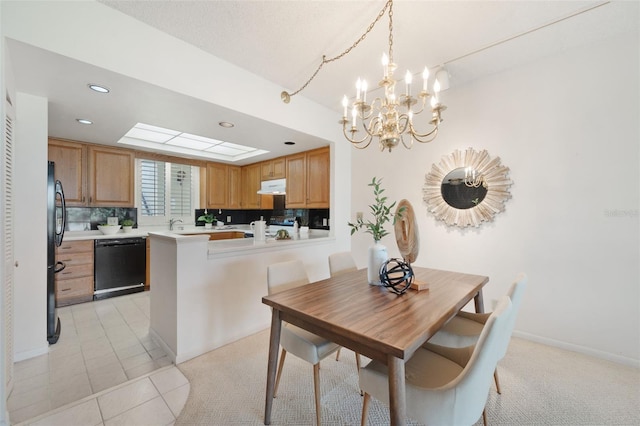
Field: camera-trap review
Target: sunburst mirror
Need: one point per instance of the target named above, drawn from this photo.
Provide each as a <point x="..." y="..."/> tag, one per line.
<point x="466" y="188"/>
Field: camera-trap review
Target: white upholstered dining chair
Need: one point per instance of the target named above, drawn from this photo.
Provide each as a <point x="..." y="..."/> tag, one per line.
<point x="445" y="386"/>
<point x="295" y="340"/>
<point x="339" y="263"/>
<point x="465" y="328"/>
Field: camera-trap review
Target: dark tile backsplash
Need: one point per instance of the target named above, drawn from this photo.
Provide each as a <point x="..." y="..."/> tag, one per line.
<point x="88" y="218"/>
<point x="314" y="218"/>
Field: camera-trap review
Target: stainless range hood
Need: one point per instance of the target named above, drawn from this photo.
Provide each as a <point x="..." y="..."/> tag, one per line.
<point x="273" y="187"/>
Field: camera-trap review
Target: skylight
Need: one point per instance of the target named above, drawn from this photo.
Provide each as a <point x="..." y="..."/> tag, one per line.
<point x="174" y="142"/>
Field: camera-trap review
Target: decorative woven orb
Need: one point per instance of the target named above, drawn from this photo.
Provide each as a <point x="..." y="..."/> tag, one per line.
<point x="396" y="275"/>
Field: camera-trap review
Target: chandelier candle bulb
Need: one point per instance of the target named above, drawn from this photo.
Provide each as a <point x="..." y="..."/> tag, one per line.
<point x="354" y="114"/>
<point x="358" y="86"/>
<point x="345" y="102"/>
<point x="425" y="77"/>
<point x="364" y="91"/>
<point x="407" y="80"/>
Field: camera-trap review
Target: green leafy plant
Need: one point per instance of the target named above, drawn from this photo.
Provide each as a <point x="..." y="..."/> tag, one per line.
<point x="127" y="222"/>
<point x="207" y="218"/>
<point x="381" y="213"/>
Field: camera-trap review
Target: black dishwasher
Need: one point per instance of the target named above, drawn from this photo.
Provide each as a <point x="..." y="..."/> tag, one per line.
<point x="120" y="266"/>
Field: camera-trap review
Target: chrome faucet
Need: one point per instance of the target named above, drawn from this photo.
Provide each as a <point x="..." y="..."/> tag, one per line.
<point x="172" y="221"/>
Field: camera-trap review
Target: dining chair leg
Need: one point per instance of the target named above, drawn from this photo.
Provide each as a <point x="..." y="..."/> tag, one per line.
<point x="495" y="377"/>
<point x="484" y="417"/>
<point x="338" y="354"/>
<point x="283" y="355"/>
<point x="358" y="367"/>
<point x="365" y="409"/>
<point x="316" y="387"/>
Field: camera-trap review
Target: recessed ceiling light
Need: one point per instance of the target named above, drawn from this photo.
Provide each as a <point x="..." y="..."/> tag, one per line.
<point x="289" y="143"/>
<point x="84" y="121"/>
<point x="98" y="88"/>
<point x="226" y="124"/>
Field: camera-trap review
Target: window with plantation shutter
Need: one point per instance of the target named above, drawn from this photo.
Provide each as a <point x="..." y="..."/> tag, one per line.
<point x="152" y="188"/>
<point x="166" y="190"/>
<point x="181" y="190"/>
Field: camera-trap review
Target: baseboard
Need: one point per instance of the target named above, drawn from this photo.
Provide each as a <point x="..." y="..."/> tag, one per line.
<point x="21" y="356"/>
<point x="156" y="338"/>
<point x="579" y="349"/>
<point x="211" y="345"/>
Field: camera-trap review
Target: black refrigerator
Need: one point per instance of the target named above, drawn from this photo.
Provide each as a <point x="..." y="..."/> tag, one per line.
<point x="56" y="220"/>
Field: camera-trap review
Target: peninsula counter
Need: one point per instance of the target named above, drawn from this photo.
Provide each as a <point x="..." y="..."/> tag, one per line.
<point x="207" y="294"/>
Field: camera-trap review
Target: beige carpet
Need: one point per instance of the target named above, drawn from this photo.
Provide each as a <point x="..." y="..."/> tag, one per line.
<point x="541" y="386"/>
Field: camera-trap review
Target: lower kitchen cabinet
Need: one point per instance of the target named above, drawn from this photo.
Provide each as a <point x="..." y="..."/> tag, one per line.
<point x="227" y="235"/>
<point x="74" y="284"/>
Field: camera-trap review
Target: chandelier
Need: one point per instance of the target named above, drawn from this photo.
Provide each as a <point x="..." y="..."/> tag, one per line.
<point x="389" y="118"/>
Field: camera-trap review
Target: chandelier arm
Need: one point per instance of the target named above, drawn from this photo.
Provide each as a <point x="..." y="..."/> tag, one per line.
<point x="354" y="141"/>
<point x="410" y="142"/>
<point x="424" y="103"/>
<point x="403" y="122"/>
<point x="372" y="124"/>
<point x="286" y="97"/>
<point x="427" y="137"/>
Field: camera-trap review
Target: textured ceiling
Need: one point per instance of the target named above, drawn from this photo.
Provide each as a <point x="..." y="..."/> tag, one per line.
<point x="283" y="41"/>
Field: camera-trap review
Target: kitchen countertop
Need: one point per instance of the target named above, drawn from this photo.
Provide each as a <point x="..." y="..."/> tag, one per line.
<point x="217" y="245"/>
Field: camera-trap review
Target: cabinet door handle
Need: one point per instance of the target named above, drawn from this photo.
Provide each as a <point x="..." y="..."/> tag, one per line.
<point x="65" y="289"/>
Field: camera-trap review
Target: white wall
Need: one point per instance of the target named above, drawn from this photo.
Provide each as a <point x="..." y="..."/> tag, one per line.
<point x="85" y="31"/>
<point x="30" y="189"/>
<point x="567" y="127"/>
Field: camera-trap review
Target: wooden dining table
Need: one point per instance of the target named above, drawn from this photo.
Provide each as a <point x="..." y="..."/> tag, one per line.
<point x="372" y="321"/>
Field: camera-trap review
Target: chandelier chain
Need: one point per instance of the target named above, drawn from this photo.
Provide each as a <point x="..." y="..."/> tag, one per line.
<point x="390" y="31"/>
<point x="389" y="5"/>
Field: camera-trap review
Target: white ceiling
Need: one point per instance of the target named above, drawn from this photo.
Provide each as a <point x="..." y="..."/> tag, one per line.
<point x="284" y="41"/>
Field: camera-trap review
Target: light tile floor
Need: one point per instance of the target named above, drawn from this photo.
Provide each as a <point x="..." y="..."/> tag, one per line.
<point x="103" y="344"/>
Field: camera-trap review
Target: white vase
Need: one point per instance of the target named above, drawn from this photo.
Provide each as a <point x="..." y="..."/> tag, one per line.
<point x="377" y="256"/>
<point x="208" y="225"/>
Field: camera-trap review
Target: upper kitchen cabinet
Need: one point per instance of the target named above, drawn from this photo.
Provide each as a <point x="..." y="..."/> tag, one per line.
<point x="235" y="187"/>
<point x="93" y="175"/>
<point x="308" y="179"/>
<point x="250" y="186"/>
<point x="217" y="186"/>
<point x="70" y="169"/>
<point x="111" y="177"/>
<point x="273" y="169"/>
<point x="223" y="186"/>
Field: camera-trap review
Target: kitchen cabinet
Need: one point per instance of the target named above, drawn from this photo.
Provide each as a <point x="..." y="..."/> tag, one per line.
<point x="308" y="179"/>
<point x="217" y="185"/>
<point x="318" y="178"/>
<point x="224" y="186"/>
<point x="74" y="284"/>
<point x="273" y="169"/>
<point x="235" y="187"/>
<point x="251" y="178"/>
<point x="111" y="176"/>
<point x="225" y="235"/>
<point x="70" y="169"/>
<point x="93" y="175"/>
